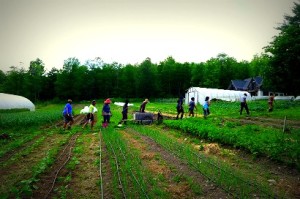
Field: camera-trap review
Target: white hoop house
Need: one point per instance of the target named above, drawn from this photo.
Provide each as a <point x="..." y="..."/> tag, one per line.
<point x="8" y="101"/>
<point x="227" y="95"/>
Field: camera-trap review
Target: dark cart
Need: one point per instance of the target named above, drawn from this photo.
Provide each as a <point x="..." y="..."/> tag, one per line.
<point x="143" y="118"/>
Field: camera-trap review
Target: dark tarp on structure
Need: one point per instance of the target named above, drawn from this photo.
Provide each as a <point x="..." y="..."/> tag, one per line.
<point x="251" y="85"/>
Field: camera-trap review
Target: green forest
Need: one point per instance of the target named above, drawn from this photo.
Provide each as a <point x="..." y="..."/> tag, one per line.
<point x="278" y="66"/>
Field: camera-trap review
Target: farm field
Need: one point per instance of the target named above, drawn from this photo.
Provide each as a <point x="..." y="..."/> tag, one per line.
<point x="223" y="156"/>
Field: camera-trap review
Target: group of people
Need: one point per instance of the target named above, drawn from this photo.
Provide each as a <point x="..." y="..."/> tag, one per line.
<point x="192" y="107"/>
<point x="90" y="117"/>
<point x="206" y="104"/>
<point x="106" y="112"/>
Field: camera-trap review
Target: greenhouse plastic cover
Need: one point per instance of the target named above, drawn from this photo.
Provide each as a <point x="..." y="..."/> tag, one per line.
<point x="227" y="95"/>
<point x="9" y="101"/>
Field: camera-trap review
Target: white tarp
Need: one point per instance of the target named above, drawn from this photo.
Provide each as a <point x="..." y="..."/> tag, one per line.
<point x="122" y="104"/>
<point x="227" y="95"/>
<point x="9" y="101"/>
<point x="86" y="110"/>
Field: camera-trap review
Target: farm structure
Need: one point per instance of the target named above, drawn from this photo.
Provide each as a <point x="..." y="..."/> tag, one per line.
<point x="9" y="101"/>
<point x="251" y="85"/>
<point x="227" y="95"/>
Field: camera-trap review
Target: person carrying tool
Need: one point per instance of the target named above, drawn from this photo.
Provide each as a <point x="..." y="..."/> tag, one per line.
<point x="67" y="114"/>
<point x="143" y="105"/>
<point x="106" y="113"/>
<point x="90" y="117"/>
<point x="192" y="106"/>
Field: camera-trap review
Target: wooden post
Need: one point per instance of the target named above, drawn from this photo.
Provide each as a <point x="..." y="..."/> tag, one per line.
<point x="284" y="124"/>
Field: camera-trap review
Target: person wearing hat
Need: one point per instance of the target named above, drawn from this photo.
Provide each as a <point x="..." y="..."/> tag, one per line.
<point x="90" y="117"/>
<point x="143" y="105"/>
<point x="106" y="113"/>
<point x="244" y="104"/>
<point x="67" y="114"/>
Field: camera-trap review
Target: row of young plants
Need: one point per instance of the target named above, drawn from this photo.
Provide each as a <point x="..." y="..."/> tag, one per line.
<point x="238" y="184"/>
<point x="19" y="120"/>
<point x="258" y="140"/>
<point x="23" y="185"/>
<point x="133" y="180"/>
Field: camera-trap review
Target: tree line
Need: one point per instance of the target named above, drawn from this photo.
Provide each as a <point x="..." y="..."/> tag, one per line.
<point x="96" y="79"/>
<point x="279" y="67"/>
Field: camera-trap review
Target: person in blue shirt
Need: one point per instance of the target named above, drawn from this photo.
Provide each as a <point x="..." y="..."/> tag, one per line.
<point x="67" y="114"/>
<point x="192" y="106"/>
<point x="206" y="104"/>
<point x="106" y="113"/>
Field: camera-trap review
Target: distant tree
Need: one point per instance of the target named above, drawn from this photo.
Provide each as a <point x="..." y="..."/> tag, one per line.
<point x="128" y="81"/>
<point x="48" y="89"/>
<point x="34" y="79"/>
<point x="284" y="71"/>
<point x="197" y="74"/>
<point x="67" y="80"/>
<point x="15" y="81"/>
<point x="147" y="82"/>
<point x="168" y="73"/>
<point x="2" y="80"/>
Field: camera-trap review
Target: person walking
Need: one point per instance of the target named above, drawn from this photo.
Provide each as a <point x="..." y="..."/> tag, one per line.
<point x="106" y="113"/>
<point x="206" y="105"/>
<point x="179" y="108"/>
<point x="271" y="102"/>
<point x="192" y="107"/>
<point x="244" y="104"/>
<point x="67" y="114"/>
<point x="90" y="117"/>
<point x="143" y="105"/>
<point x="125" y="112"/>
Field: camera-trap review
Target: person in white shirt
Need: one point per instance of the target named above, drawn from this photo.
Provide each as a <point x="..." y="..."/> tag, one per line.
<point x="244" y="104"/>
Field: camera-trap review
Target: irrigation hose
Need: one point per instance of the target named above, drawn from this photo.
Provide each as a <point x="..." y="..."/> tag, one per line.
<point x="100" y="164"/>
<point x="118" y="170"/>
<point x="134" y="175"/>
<point x="57" y="172"/>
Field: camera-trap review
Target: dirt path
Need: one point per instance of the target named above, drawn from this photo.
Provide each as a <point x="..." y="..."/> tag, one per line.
<point x="84" y="182"/>
<point x="172" y="167"/>
<point x="268" y="122"/>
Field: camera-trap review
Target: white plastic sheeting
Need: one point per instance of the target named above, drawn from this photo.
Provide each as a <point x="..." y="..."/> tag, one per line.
<point x="291" y="98"/>
<point x="9" y="101"/>
<point x="86" y="110"/>
<point x="122" y="104"/>
<point x="227" y="95"/>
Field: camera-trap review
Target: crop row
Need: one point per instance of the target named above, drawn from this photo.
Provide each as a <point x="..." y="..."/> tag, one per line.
<point x="26" y="119"/>
<point x="258" y="140"/>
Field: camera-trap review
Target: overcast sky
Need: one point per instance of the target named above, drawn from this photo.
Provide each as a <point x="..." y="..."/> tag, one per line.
<point x="129" y="31"/>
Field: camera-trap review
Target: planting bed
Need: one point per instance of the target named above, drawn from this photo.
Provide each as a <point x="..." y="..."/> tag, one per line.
<point x="152" y="161"/>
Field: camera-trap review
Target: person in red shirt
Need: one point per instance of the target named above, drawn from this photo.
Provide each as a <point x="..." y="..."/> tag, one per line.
<point x="271" y="102"/>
